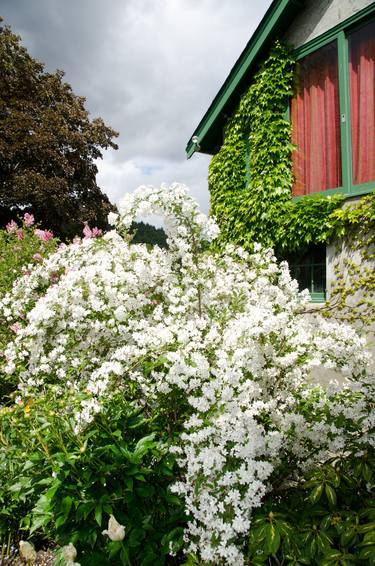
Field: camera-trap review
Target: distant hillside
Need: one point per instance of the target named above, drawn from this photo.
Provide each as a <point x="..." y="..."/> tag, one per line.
<point x="147" y="234"/>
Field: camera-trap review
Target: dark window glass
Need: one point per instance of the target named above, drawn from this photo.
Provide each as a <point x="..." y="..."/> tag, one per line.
<point x="310" y="269"/>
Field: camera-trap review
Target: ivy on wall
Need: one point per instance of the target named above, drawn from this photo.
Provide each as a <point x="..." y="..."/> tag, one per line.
<point x="247" y="197"/>
<point x="250" y="182"/>
<point x="250" y="178"/>
<point x="352" y="297"/>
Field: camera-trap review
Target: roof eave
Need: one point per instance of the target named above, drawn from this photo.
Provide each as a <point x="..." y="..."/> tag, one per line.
<point x="231" y="88"/>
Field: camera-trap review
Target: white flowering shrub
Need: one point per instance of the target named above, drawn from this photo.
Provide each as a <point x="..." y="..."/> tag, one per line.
<point x="215" y="339"/>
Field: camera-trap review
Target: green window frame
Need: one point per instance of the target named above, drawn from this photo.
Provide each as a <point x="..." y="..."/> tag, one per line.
<point x="339" y="34"/>
<point x="310" y="270"/>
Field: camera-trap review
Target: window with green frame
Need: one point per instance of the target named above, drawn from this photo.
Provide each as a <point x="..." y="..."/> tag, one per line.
<point x="310" y="271"/>
<point x="333" y="111"/>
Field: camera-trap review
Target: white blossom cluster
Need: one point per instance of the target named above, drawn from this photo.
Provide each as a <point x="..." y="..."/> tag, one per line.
<point x="218" y="336"/>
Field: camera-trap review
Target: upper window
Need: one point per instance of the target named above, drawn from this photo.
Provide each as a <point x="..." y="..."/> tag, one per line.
<point x="362" y="102"/>
<point x="333" y="115"/>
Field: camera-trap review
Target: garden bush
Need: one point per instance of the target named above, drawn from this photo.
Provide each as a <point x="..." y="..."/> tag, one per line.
<point x="172" y="389"/>
<point x="22" y="245"/>
<point x="60" y="486"/>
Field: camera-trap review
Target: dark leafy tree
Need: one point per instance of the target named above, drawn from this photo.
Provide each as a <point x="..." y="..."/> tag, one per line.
<point x="48" y="145"/>
<point x="145" y="233"/>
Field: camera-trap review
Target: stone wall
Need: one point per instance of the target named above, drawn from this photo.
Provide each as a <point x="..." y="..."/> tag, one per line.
<point x="319" y="16"/>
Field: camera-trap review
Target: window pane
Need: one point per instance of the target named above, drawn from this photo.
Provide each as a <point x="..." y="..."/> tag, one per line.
<point x="362" y="102"/>
<point x="310" y="269"/>
<point x="315" y="115"/>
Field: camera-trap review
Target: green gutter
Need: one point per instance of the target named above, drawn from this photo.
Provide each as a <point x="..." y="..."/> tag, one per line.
<point x="262" y="33"/>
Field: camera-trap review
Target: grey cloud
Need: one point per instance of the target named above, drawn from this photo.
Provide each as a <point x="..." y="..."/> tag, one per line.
<point x="149" y="68"/>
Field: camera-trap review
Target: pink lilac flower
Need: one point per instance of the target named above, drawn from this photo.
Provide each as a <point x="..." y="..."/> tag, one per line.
<point x="28" y="219"/>
<point x="96" y="232"/>
<point x="38" y="257"/>
<point x="16" y="327"/>
<point x="11" y="227"/>
<point x="20" y="234"/>
<point x="91" y="232"/>
<point x="43" y="235"/>
<point x="87" y="232"/>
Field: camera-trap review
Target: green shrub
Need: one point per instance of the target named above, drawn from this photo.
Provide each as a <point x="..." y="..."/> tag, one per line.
<point x="21" y="246"/>
<point x="327" y="520"/>
<point x="60" y="486"/>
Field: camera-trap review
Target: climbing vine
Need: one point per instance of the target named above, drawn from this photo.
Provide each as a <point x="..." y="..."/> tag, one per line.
<point x="352" y="297"/>
<point x="250" y="182"/>
<point x="250" y="178"/>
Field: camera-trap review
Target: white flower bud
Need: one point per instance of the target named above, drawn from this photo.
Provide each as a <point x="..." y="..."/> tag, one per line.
<point x="27" y="551"/>
<point x="69" y="552"/>
<point x="115" y="531"/>
<point x="112" y="218"/>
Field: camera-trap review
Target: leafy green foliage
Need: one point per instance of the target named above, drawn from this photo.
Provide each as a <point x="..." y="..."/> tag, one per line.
<point x="352" y="297"/>
<point x="326" y="520"/>
<point x="145" y="233"/>
<point x="58" y="485"/>
<point x="247" y="206"/>
<point x="48" y="145"/>
<point x="250" y="178"/>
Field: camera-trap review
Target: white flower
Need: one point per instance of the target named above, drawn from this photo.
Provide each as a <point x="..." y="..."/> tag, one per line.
<point x="112" y="218"/>
<point x="27" y="551"/>
<point x="69" y="552"/>
<point x="219" y="330"/>
<point x="115" y="531"/>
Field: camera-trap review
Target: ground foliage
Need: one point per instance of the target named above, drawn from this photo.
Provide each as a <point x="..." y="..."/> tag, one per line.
<point x="58" y="486"/>
<point x="48" y="145"/>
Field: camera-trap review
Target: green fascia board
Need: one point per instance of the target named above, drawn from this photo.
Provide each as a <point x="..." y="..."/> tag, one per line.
<point x="270" y="23"/>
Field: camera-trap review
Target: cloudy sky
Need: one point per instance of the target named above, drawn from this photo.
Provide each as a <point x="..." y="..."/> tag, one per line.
<point x="149" y="68"/>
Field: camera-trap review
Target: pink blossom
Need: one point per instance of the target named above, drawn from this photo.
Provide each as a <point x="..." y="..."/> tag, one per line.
<point x="38" y="257"/>
<point x="54" y="277"/>
<point x="43" y="235"/>
<point x="11" y="227"/>
<point x="91" y="232"/>
<point x="87" y="232"/>
<point x="28" y="219"/>
<point x="96" y="232"/>
<point x="16" y="327"/>
<point x="20" y="234"/>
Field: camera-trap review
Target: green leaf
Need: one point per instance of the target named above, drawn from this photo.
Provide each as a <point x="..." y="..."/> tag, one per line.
<point x="316" y="493"/>
<point x="272" y="539"/>
<point x="144" y="445"/>
<point x="368" y="553"/>
<point x="66" y="505"/>
<point x="98" y="514"/>
<point x="61" y="520"/>
<point x="331" y="495"/>
<point x="38" y="522"/>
